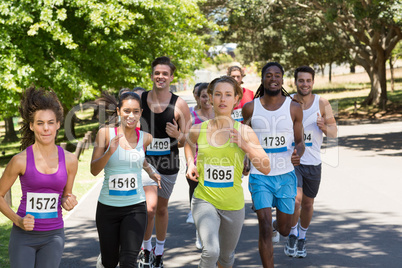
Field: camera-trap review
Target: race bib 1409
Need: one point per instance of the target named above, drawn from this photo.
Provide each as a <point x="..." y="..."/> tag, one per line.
<point x="159" y="147"/>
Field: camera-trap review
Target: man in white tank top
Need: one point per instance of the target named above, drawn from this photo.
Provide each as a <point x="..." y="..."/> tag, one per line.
<point x="277" y="121"/>
<point x="318" y="119"/>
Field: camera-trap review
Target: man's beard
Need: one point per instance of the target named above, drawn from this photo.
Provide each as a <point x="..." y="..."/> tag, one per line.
<point x="272" y="93"/>
<point x="302" y="93"/>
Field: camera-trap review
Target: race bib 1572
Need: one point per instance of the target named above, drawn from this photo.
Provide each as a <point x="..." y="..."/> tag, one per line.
<point x="42" y="205"/>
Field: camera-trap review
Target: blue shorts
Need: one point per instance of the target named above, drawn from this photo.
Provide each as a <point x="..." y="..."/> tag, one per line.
<point x="274" y="191"/>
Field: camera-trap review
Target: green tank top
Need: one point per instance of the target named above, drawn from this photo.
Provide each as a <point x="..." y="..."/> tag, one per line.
<point x="220" y="169"/>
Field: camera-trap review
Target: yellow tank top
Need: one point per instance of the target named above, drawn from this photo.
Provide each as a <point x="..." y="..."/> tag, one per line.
<point x="220" y="169"/>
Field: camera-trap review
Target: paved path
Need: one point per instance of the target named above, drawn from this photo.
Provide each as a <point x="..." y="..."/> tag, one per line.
<point x="357" y="220"/>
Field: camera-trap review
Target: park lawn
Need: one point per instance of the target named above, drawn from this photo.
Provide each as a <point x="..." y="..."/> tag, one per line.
<point x="83" y="183"/>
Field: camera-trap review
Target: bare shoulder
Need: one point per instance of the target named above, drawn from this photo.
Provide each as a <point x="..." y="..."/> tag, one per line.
<point x="19" y="160"/>
<point x="147" y="138"/>
<point x="295" y="104"/>
<point x="103" y="134"/>
<point x="18" y="163"/>
<point x="182" y="104"/>
<point x="323" y="102"/>
<point x="249" y="106"/>
<point x="247" y="112"/>
<point x="71" y="159"/>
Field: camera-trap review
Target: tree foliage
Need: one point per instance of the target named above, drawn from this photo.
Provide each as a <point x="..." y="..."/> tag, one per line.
<point x="316" y="32"/>
<point x="80" y="47"/>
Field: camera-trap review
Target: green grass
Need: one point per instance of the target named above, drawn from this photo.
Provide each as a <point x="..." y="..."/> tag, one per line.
<point x="345" y="106"/>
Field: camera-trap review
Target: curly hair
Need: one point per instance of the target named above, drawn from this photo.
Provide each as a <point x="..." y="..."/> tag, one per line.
<point x="34" y="100"/>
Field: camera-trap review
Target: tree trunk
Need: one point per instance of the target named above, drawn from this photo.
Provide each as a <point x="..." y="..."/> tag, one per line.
<point x="10" y="135"/>
<point x="391" y="68"/>
<point x="352" y="68"/>
<point x="378" y="80"/>
<point x="330" y="73"/>
<point x="382" y="61"/>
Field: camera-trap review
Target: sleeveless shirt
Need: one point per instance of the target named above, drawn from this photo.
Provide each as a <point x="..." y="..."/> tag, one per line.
<point x="274" y="130"/>
<point x="42" y="193"/>
<point x="163" y="152"/>
<point x="248" y="96"/>
<point x="122" y="184"/>
<point x="220" y="169"/>
<point x="313" y="135"/>
<point x="195" y="118"/>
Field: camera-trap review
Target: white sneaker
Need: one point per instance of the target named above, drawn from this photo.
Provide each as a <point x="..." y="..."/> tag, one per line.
<point x="99" y="262"/>
<point x="276" y="236"/>
<point x="190" y="219"/>
<point x="198" y="243"/>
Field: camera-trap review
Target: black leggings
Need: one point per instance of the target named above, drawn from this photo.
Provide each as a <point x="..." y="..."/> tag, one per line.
<point x="121" y="231"/>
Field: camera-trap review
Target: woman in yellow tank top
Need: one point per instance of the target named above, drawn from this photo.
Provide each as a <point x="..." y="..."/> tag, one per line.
<point x="218" y="201"/>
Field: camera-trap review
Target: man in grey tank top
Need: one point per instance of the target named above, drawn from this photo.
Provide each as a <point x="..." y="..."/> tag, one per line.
<point x="318" y="119"/>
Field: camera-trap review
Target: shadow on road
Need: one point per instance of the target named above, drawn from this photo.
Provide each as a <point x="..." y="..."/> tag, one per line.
<point x="83" y="248"/>
<point x="335" y="239"/>
<point x="369" y="142"/>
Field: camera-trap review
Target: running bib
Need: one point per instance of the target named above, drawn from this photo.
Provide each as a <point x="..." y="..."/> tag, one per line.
<point x="159" y="147"/>
<point x="237" y="115"/>
<point x="123" y="184"/>
<point x="308" y="139"/>
<point x="218" y="176"/>
<point x="42" y="205"/>
<point x="274" y="144"/>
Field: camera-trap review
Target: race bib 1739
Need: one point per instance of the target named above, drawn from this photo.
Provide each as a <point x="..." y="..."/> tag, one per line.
<point x="274" y="144"/>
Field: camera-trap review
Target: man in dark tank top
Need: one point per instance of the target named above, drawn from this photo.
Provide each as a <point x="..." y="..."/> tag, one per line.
<point x="167" y="117"/>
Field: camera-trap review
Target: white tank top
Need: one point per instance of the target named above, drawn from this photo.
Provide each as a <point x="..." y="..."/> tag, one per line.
<point x="274" y="130"/>
<point x="312" y="134"/>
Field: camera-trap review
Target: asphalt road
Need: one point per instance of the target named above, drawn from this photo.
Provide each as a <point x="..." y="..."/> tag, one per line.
<point x="357" y="220"/>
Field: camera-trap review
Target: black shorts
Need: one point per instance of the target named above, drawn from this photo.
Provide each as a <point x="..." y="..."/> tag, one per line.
<point x="308" y="177"/>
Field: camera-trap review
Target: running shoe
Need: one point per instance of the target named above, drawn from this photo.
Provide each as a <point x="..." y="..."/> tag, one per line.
<point x="190" y="218"/>
<point x="144" y="259"/>
<point x="99" y="262"/>
<point x="276" y="236"/>
<point x="291" y="247"/>
<point x="301" y="248"/>
<point x="157" y="262"/>
<point x="198" y="243"/>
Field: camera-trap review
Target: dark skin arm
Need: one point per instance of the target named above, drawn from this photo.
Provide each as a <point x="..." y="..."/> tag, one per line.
<point x="296" y="112"/>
